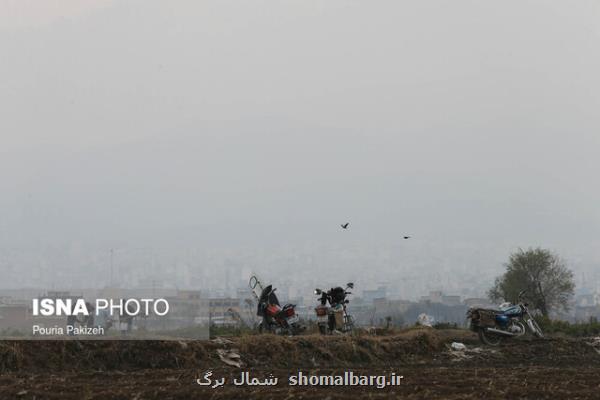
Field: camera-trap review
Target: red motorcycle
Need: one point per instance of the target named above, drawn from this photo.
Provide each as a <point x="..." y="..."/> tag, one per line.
<point x="276" y="319"/>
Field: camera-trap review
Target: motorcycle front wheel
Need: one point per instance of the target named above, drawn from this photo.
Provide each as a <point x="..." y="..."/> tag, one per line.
<point x="323" y="329"/>
<point x="264" y="327"/>
<point x="535" y="328"/>
<point x="489" y="338"/>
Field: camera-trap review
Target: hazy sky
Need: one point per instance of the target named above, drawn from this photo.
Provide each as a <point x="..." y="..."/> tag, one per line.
<point x="260" y="122"/>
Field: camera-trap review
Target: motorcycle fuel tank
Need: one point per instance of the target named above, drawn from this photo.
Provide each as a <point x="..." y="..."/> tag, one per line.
<point x="502" y="320"/>
<point x="513" y="311"/>
<point x="273" y="310"/>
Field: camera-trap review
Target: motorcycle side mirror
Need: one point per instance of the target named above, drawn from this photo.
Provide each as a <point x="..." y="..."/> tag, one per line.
<point x="318" y="291"/>
<point x="350" y="285"/>
<point x="253" y="282"/>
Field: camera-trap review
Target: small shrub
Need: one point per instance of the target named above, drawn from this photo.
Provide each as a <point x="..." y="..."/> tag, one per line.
<point x="578" y="329"/>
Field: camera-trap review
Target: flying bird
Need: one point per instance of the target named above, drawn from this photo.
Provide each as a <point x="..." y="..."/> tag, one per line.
<point x="407" y="237"/>
<point x="345" y="226"/>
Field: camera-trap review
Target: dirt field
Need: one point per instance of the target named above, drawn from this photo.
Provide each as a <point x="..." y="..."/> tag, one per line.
<point x="556" y="368"/>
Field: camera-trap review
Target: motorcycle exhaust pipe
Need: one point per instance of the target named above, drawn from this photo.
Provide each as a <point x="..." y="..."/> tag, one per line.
<point x="501" y="332"/>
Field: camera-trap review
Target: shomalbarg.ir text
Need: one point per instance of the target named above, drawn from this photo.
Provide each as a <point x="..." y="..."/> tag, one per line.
<point x="348" y="378"/>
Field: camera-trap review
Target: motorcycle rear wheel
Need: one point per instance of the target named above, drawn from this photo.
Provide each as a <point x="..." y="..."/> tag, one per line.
<point x="488" y="338"/>
<point x="296" y="329"/>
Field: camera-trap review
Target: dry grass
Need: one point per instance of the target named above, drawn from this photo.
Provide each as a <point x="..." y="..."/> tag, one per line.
<point x="256" y="350"/>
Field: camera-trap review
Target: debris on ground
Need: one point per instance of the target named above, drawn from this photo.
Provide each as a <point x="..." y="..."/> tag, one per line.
<point x="425" y="320"/>
<point x="458" y="346"/>
<point x="459" y="352"/>
<point x="230" y="357"/>
<point x="595" y="343"/>
<point x="221" y="341"/>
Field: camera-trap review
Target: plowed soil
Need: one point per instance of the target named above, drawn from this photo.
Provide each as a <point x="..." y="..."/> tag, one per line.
<point x="553" y="368"/>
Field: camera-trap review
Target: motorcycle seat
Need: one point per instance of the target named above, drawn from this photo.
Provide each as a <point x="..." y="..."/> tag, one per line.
<point x="489" y="309"/>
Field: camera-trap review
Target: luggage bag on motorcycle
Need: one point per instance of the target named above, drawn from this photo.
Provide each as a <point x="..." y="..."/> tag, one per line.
<point x="483" y="318"/>
<point x="321" y="311"/>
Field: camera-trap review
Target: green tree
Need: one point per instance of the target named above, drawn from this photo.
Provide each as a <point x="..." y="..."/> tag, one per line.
<point x="542" y="274"/>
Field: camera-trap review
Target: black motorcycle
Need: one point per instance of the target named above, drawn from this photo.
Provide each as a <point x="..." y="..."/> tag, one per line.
<point x="494" y="325"/>
<point x="334" y="318"/>
<point x="276" y="319"/>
